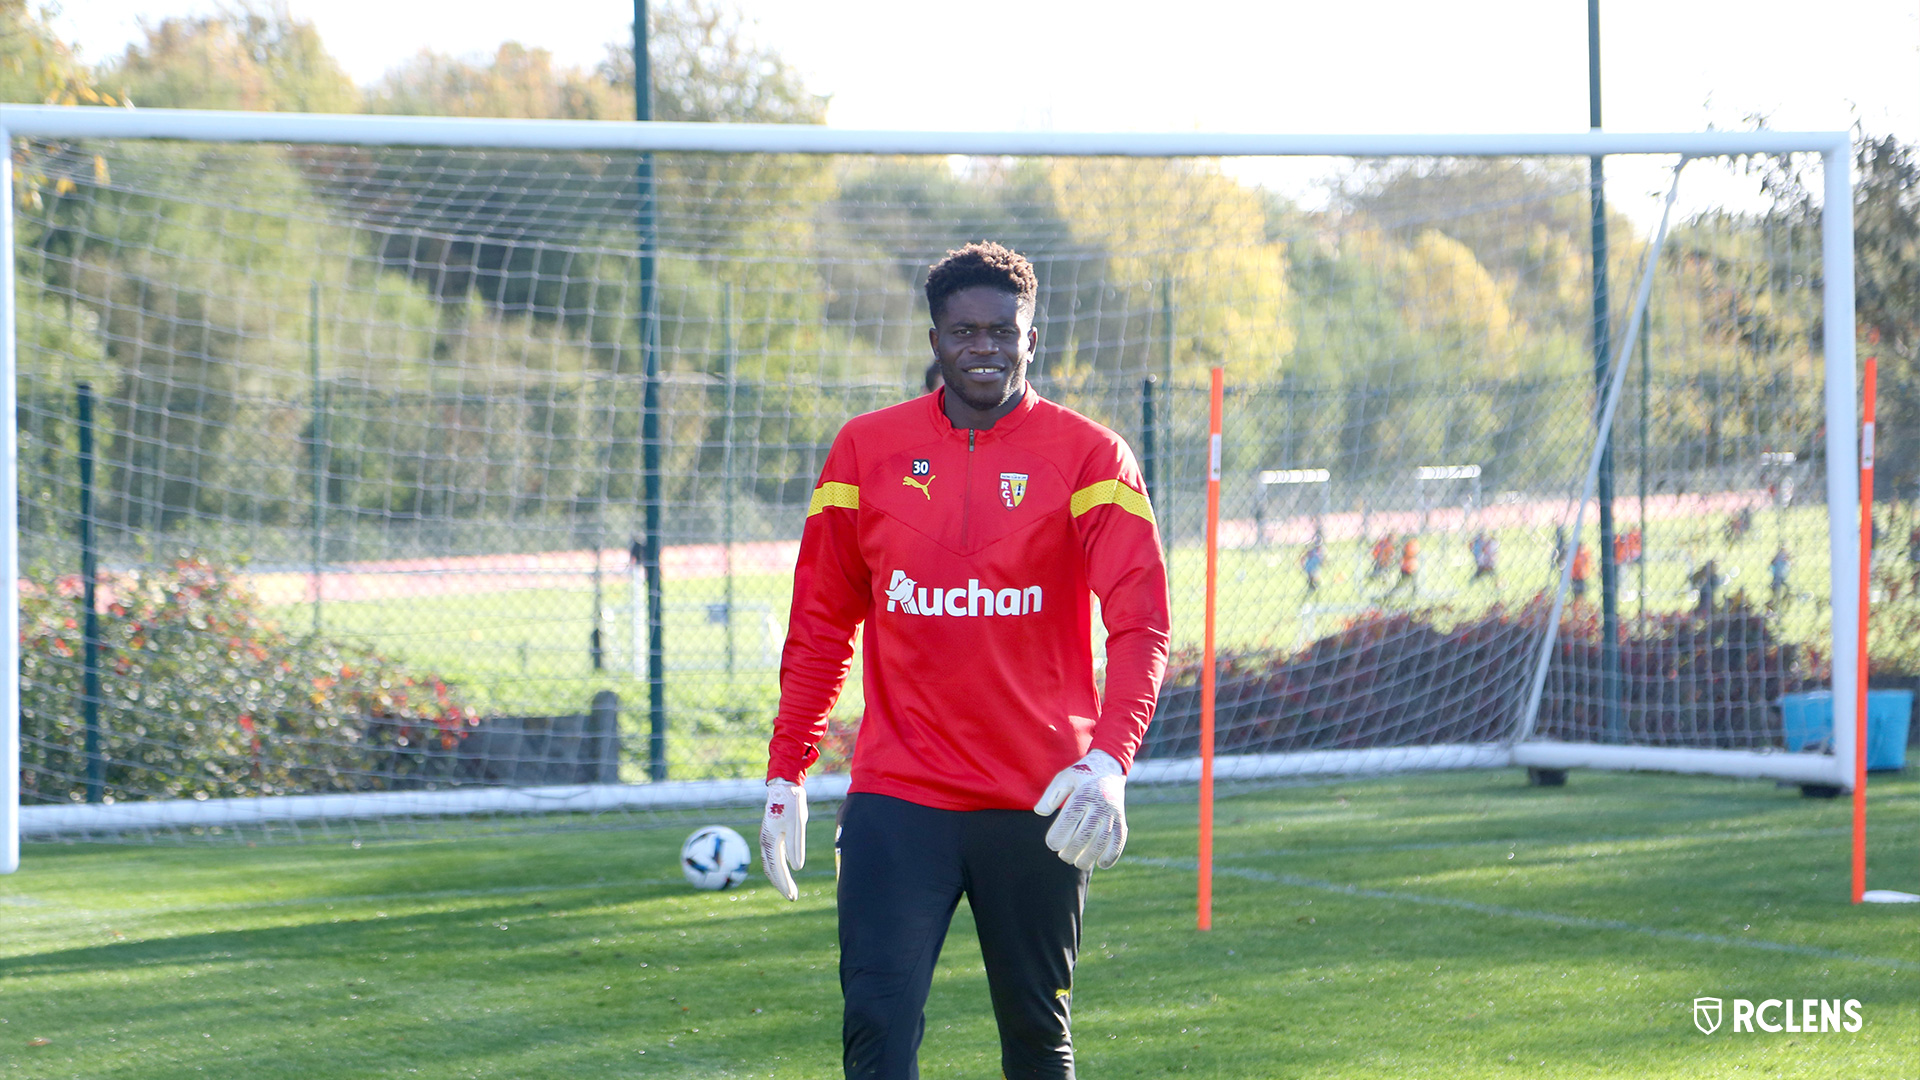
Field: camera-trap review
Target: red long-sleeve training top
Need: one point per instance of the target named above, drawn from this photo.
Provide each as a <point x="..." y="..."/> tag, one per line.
<point x="973" y="558"/>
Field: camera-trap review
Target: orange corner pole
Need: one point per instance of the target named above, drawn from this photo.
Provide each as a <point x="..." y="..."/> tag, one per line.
<point x="1206" y="657"/>
<point x="1866" y="596"/>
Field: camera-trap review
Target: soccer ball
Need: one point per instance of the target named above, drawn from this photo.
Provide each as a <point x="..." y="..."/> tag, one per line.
<point x="715" y="857"/>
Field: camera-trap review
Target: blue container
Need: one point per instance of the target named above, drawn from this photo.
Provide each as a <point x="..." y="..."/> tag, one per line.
<point x="1807" y="719"/>
<point x="1889" y="714"/>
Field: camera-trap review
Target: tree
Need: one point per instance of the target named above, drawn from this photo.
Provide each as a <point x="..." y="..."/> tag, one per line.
<point x="516" y="81"/>
<point x="1155" y="224"/>
<point x="1886" y="241"/>
<point x="1886" y="249"/>
<point x="705" y="68"/>
<point x="551" y="246"/>
<point x="36" y="67"/>
<point x="247" y="58"/>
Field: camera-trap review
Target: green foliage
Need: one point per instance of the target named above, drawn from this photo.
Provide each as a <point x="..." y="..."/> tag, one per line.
<point x="203" y="696"/>
<point x="1525" y="222"/>
<point x="36" y="66"/>
<point x="250" y="58"/>
<point x="515" y="81"/>
<point x="1887" y="279"/>
<point x="705" y="68"/>
<point x="1433" y="306"/>
<point x="1186" y="227"/>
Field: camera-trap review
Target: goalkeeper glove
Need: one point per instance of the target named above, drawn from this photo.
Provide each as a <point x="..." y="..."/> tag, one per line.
<point x="783" y="835"/>
<point x="1092" y="827"/>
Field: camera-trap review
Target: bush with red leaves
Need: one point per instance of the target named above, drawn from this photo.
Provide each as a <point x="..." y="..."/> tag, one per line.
<point x="202" y="696"/>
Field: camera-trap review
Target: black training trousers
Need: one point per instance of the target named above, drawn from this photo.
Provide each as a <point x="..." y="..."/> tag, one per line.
<point x="903" y="868"/>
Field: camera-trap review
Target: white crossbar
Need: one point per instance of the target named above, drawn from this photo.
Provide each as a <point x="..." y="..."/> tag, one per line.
<point x="64" y="121"/>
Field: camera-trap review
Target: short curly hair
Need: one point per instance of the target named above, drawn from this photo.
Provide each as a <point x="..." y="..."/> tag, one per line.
<point x="982" y="263"/>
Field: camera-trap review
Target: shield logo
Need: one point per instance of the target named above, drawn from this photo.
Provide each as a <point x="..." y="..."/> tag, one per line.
<point x="1013" y="488"/>
<point x="1706" y="1015"/>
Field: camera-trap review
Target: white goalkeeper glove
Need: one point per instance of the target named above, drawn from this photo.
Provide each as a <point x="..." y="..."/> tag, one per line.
<point x="1092" y="827"/>
<point x="783" y="835"/>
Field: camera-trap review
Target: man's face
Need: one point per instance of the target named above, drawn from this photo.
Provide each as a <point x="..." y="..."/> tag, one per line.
<point x="983" y="343"/>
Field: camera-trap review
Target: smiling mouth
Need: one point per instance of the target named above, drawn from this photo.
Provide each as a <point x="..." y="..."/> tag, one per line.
<point x="981" y="371"/>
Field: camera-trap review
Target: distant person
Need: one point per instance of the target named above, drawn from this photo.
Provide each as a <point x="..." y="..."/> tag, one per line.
<point x="1486" y="555"/>
<point x="1313" y="560"/>
<point x="1409" y="568"/>
<point x="1582" y="570"/>
<point x="1778" y="568"/>
<point x="1559" y="545"/>
<point x="1739" y="524"/>
<point x="1635" y="545"/>
<point x="1382" y="557"/>
<point x="932" y="377"/>
<point x="1706" y="579"/>
<point x="1913" y="557"/>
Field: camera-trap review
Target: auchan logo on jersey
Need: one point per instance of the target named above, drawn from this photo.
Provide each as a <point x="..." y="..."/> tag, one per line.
<point x="972" y="600"/>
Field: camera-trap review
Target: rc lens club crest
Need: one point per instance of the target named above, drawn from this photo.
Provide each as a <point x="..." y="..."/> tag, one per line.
<point x="1013" y="488"/>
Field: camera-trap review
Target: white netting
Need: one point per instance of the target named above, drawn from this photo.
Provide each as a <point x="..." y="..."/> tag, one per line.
<point x="368" y="501"/>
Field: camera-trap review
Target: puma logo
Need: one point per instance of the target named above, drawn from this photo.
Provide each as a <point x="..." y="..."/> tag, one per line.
<point x="921" y="484"/>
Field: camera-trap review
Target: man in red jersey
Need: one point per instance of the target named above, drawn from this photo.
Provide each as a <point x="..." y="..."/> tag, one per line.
<point x="970" y="530"/>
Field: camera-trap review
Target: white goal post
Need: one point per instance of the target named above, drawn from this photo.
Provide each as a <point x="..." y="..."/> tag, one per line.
<point x="1839" y="390"/>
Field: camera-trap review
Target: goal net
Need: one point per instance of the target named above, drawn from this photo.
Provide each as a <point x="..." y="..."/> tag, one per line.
<point x="377" y="470"/>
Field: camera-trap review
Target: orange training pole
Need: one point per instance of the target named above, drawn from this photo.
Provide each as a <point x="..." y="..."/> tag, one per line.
<point x="1206" y="657"/>
<point x="1866" y="595"/>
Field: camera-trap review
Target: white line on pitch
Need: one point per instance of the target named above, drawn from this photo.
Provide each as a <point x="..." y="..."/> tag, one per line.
<point x="1543" y="841"/>
<point x="382" y="898"/>
<point x="1571" y="921"/>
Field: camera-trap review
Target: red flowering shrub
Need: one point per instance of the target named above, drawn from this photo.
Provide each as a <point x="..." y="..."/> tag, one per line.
<point x="1400" y="679"/>
<point x="201" y="696"/>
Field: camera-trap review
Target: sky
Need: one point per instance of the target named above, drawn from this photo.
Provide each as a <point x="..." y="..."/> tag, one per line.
<point x="1225" y="65"/>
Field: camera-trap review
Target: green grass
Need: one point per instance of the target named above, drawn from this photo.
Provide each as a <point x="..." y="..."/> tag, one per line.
<point x="1456" y="925"/>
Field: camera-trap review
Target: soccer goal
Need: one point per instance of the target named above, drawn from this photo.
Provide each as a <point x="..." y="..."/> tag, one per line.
<point x="371" y="471"/>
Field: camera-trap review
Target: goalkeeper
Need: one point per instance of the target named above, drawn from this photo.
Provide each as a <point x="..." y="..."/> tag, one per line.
<point x="969" y="529"/>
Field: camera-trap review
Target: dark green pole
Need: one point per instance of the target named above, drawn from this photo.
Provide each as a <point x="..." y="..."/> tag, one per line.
<point x="317" y="457"/>
<point x="1603" y="345"/>
<point x="89" y="610"/>
<point x="1149" y="459"/>
<point x="650" y="407"/>
<point x="596" y="639"/>
<point x="726" y="457"/>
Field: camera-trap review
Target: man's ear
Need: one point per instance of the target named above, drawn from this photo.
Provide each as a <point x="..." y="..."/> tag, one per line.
<point x="933" y="340"/>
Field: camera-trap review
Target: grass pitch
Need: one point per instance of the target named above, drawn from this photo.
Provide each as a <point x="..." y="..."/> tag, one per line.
<point x="1457" y="925"/>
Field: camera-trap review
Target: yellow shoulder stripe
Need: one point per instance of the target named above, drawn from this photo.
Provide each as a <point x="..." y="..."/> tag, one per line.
<point x="1114" y="493"/>
<point x="834" y="494"/>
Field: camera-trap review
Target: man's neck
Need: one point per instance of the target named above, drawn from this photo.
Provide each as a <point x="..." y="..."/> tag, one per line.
<point x="964" y="416"/>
